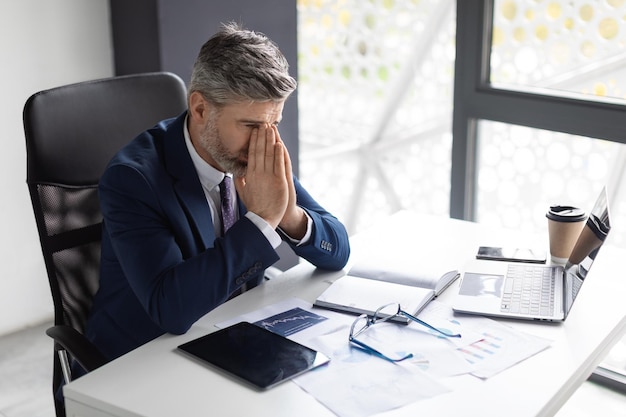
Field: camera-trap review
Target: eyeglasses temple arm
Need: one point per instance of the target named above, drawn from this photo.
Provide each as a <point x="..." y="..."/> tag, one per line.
<point x="423" y="323"/>
<point x="368" y="349"/>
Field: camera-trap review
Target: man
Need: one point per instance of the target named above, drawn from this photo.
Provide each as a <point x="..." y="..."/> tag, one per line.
<point x="166" y="260"/>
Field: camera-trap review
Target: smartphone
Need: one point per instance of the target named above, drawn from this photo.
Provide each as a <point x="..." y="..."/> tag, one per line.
<point x="511" y="254"/>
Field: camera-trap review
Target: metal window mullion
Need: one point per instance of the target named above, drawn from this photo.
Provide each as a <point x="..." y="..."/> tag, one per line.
<point x="559" y="114"/>
<point x="471" y="71"/>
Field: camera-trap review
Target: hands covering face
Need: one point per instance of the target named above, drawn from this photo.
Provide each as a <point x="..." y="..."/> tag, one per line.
<point x="267" y="188"/>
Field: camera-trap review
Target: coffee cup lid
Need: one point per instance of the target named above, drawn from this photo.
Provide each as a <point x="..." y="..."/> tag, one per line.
<point x="565" y="214"/>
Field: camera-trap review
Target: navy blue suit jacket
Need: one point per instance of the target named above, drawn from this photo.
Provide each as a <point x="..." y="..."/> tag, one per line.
<point x="162" y="267"/>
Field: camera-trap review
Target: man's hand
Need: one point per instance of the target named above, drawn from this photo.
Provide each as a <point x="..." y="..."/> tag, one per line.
<point x="265" y="190"/>
<point x="294" y="221"/>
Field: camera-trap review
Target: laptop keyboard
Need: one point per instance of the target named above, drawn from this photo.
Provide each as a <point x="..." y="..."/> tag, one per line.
<point x="529" y="289"/>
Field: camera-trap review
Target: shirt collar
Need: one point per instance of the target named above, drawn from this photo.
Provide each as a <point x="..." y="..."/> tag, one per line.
<point x="209" y="176"/>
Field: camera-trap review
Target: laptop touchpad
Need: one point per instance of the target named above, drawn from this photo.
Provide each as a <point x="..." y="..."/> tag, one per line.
<point x="481" y="285"/>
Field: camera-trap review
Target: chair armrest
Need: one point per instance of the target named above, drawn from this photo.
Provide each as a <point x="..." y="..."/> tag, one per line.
<point x="78" y="346"/>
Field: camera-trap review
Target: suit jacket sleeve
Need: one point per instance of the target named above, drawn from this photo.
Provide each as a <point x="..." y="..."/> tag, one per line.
<point x="328" y="246"/>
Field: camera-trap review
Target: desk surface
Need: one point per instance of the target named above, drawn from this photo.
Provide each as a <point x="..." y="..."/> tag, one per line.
<point x="154" y="380"/>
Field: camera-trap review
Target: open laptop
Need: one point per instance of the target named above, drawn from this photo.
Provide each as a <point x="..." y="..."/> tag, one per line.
<point x="503" y="289"/>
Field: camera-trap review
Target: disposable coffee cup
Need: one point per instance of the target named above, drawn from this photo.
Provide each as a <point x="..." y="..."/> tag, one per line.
<point x="565" y="224"/>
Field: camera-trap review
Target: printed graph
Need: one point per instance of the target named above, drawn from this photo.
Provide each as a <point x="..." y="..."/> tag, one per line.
<point x="482" y="349"/>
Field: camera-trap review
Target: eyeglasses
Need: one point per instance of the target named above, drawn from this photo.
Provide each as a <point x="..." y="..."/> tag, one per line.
<point x="383" y="314"/>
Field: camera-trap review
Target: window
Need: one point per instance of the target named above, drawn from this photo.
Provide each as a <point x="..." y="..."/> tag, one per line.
<point x="572" y="46"/>
<point x="375" y="104"/>
<point x="518" y="143"/>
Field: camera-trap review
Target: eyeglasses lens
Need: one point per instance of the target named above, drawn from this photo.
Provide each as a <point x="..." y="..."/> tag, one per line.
<point x="359" y="325"/>
<point x="386" y="312"/>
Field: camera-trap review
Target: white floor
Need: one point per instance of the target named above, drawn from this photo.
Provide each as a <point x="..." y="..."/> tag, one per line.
<point x="26" y="374"/>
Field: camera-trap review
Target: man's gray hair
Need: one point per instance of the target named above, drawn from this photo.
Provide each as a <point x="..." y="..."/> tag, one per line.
<point x="237" y="65"/>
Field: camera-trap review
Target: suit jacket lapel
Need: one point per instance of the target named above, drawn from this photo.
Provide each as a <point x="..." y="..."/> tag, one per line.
<point x="187" y="184"/>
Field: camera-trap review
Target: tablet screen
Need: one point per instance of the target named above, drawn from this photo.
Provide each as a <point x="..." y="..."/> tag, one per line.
<point x="253" y="354"/>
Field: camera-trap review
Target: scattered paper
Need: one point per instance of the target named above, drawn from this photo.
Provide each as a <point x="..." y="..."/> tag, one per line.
<point x="498" y="346"/>
<point x="357" y="384"/>
<point x="501" y="348"/>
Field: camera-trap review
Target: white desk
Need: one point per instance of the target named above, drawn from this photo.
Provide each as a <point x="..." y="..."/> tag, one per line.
<point x="154" y="380"/>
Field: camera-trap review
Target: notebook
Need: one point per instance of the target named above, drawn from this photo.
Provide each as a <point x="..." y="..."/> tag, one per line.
<point x="529" y="290"/>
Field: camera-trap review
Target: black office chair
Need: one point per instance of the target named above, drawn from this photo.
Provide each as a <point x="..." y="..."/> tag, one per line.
<point x="71" y="134"/>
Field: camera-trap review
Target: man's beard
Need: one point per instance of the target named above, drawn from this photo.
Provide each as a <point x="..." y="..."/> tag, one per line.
<point x="211" y="141"/>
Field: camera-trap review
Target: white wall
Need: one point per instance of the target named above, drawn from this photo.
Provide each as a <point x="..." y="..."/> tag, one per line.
<point x="43" y="44"/>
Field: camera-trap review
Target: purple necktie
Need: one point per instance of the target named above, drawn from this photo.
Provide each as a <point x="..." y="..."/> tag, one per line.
<point x="228" y="203"/>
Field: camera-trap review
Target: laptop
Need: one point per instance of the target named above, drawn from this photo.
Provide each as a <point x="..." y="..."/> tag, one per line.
<point x="529" y="290"/>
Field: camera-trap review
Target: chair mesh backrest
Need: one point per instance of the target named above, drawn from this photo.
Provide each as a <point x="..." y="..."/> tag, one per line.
<point x="72" y="221"/>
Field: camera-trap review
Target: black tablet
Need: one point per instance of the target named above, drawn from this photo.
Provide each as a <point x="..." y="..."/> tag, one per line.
<point x="254" y="354"/>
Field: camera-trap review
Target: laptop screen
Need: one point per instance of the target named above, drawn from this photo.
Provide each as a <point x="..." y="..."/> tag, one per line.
<point x="587" y="247"/>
